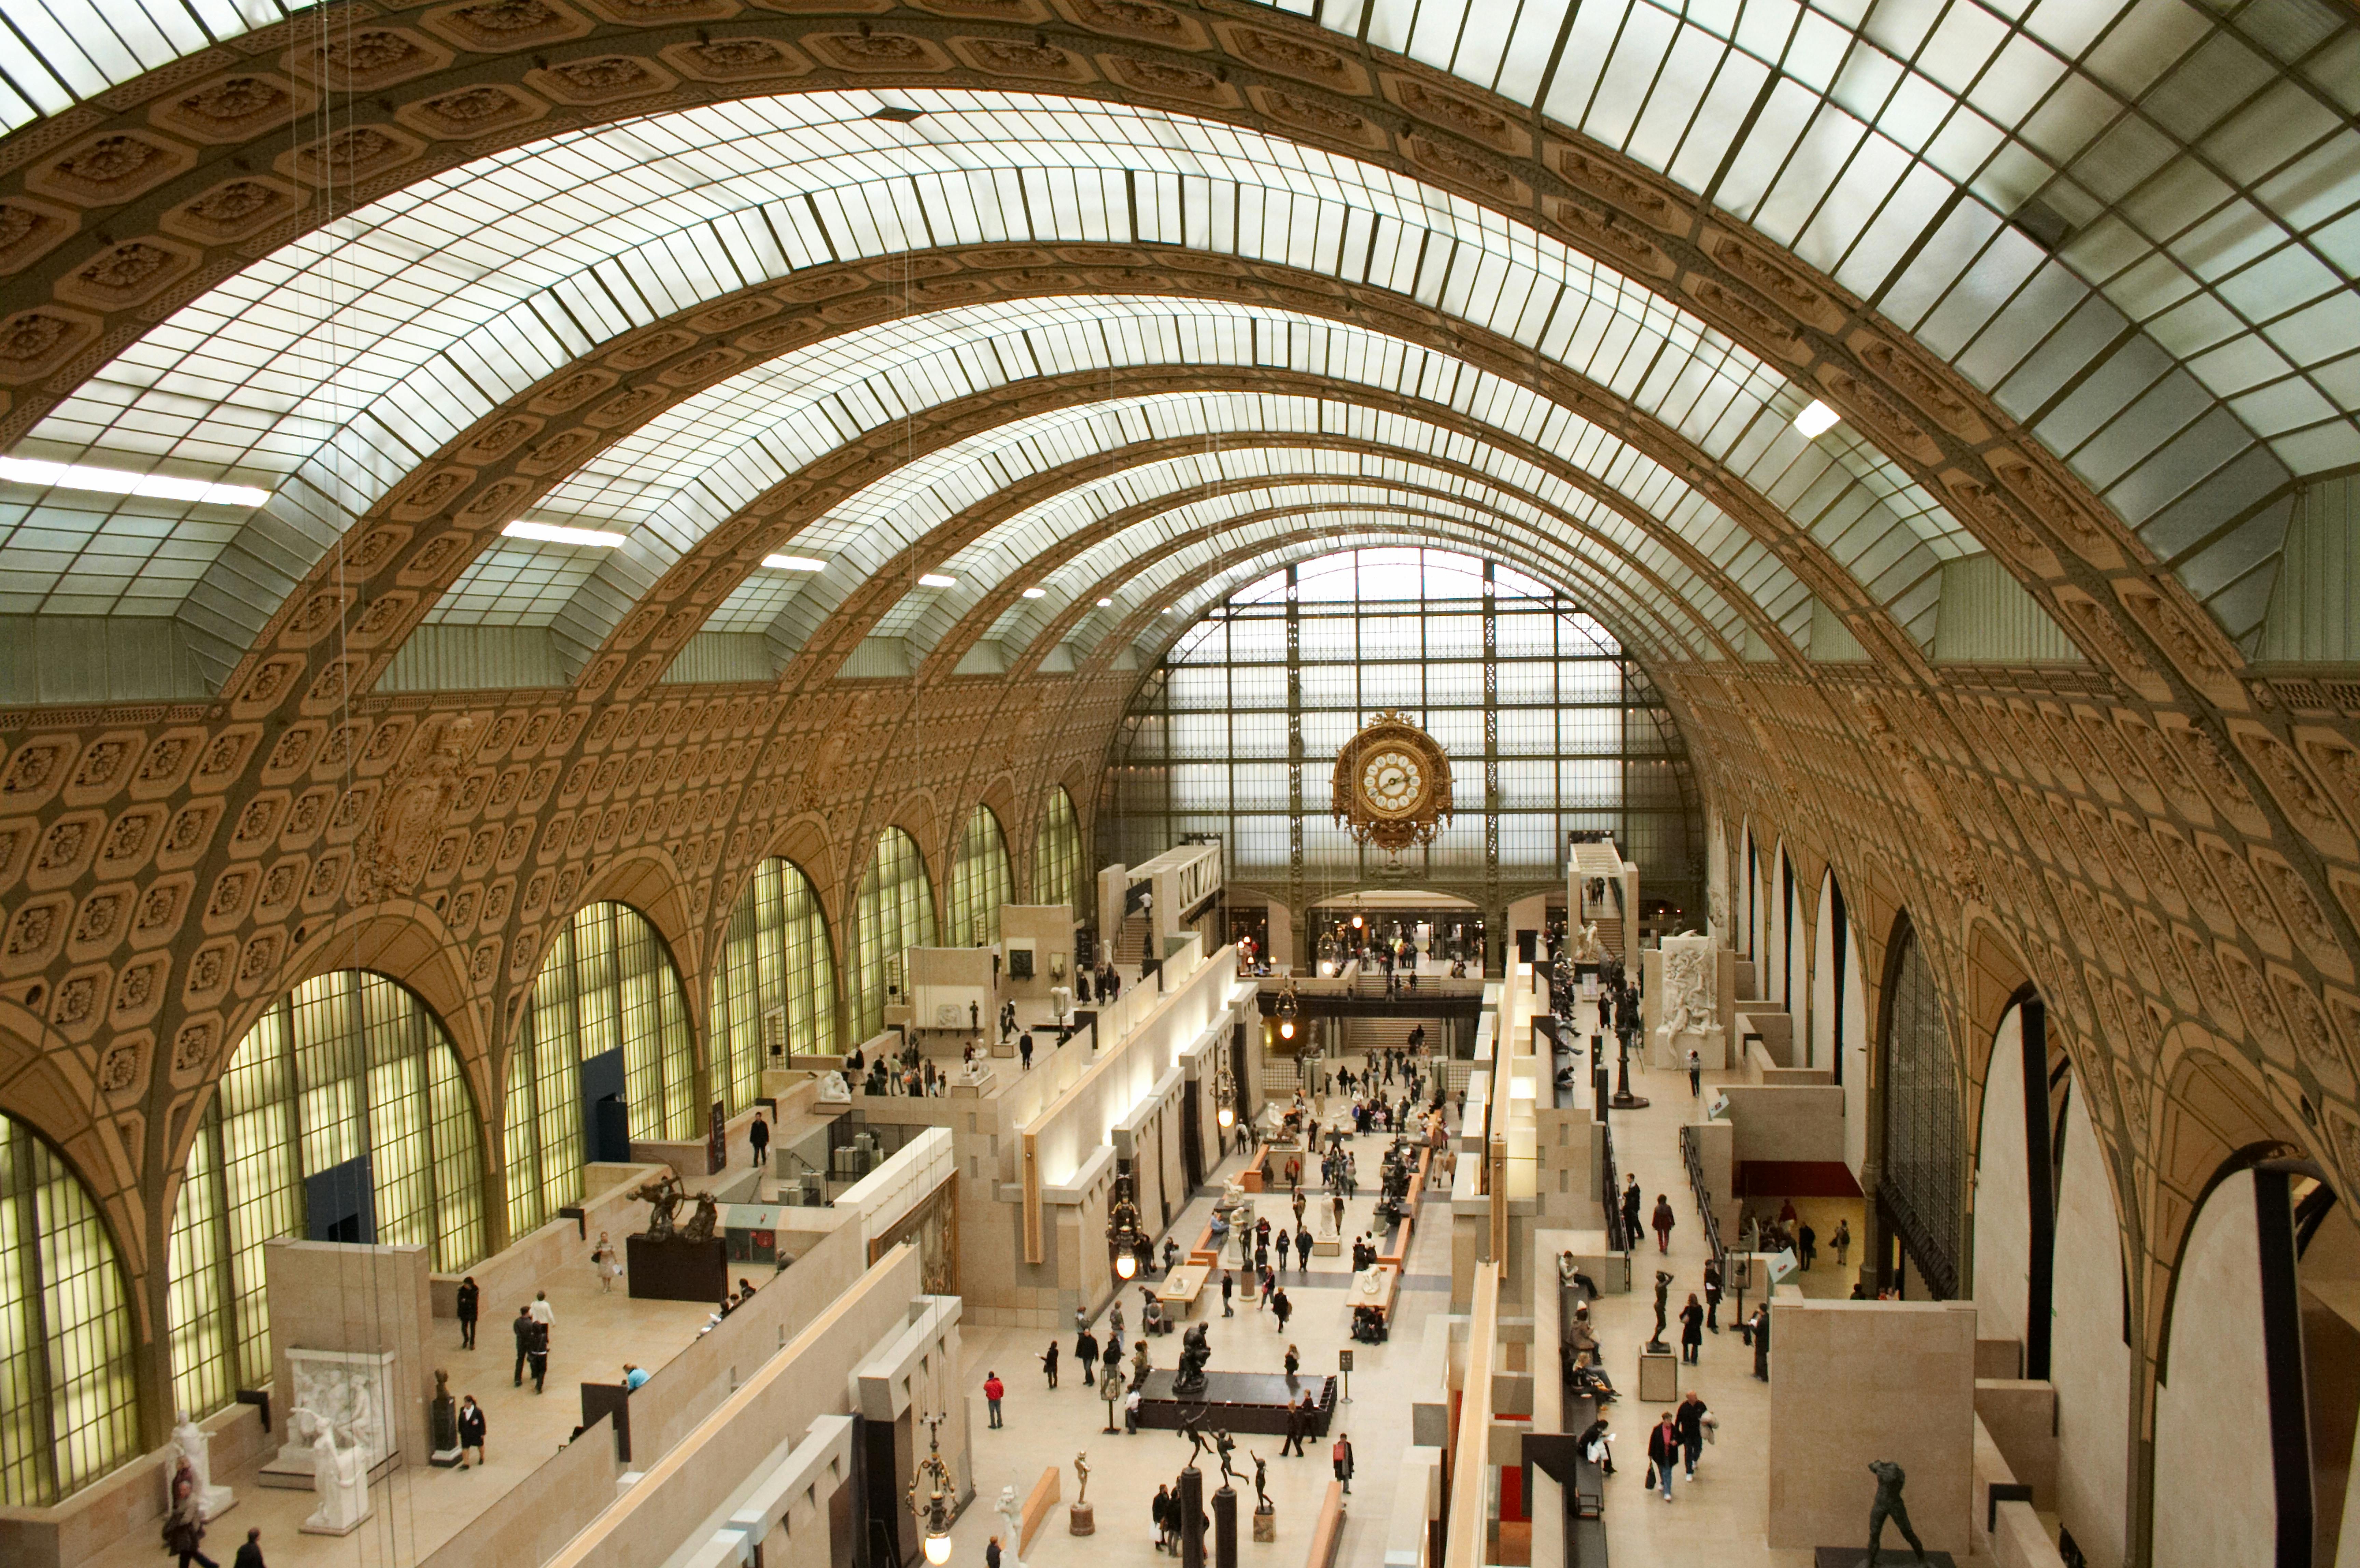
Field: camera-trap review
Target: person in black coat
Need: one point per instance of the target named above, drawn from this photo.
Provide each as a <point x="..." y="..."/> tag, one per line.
<point x="471" y="1431"/>
<point x="1086" y="1351"/>
<point x="1297" y="1423"/>
<point x="1692" y="1330"/>
<point x="470" y="1303"/>
<point x="1690" y="1419"/>
<point x="1664" y="1452"/>
<point x="1631" y="1201"/>
<point x="1049" y="1362"/>
<point x="522" y="1328"/>
<point x="1760" y="1326"/>
<point x="759" y="1135"/>
<point x="250" y="1554"/>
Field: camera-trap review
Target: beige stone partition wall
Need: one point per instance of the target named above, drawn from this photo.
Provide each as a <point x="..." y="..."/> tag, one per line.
<point x="1855" y="1382"/>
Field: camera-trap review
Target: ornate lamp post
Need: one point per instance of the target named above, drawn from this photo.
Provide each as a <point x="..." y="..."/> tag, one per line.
<point x="933" y="1512"/>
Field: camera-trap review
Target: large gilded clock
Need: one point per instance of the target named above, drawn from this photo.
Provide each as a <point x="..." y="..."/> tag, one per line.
<point x="1393" y="785"/>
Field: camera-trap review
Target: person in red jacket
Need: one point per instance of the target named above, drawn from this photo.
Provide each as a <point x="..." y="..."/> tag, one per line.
<point x="993" y="1389"/>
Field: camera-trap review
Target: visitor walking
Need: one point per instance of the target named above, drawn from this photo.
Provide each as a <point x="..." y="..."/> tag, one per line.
<point x="1759" y="1327"/>
<point x="546" y="1315"/>
<point x="537" y="1352"/>
<point x="1693" y="1421"/>
<point x="1696" y="1075"/>
<point x="1303" y="1250"/>
<point x="1282" y="1308"/>
<point x="1229" y="1289"/>
<point x="1340" y="1454"/>
<point x="1086" y="1351"/>
<point x="1024" y="1049"/>
<point x="471" y="1297"/>
<point x="1712" y="1295"/>
<point x="1664" y="1221"/>
<point x="472" y="1428"/>
<point x="603" y="1264"/>
<point x="993" y="1391"/>
<point x="1807" y="1245"/>
<point x="1691" y="1332"/>
<point x="1844" y="1242"/>
<point x="1631" y="1203"/>
<point x="1662" y="1453"/>
<point x="759" y="1135"/>
<point x="184" y="1526"/>
<point x="1049" y="1362"/>
<point x="250" y="1554"/>
<point x="1296" y="1425"/>
<point x="522" y="1328"/>
<point x="992" y="1552"/>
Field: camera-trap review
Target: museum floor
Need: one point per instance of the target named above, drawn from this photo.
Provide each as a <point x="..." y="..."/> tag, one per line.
<point x="1714" y="1522"/>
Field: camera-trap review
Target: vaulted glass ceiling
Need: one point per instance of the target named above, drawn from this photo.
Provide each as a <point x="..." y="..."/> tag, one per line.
<point x="331" y="370"/>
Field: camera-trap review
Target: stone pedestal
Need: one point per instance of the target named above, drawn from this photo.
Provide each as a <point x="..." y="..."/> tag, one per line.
<point x="1192" y="1517"/>
<point x="1659" y="1378"/>
<point x="1081" y="1520"/>
<point x="1266" y="1524"/>
<point x="1225" y="1527"/>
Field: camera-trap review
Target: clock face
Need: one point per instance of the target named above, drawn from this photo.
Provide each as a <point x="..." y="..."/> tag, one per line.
<point x="1393" y="782"/>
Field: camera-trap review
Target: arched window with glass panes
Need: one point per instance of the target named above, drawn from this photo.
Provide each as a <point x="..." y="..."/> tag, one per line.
<point x="1057" y="853"/>
<point x="981" y="881"/>
<point x="347" y="1090"/>
<point x="894" y="912"/>
<point x="774" y="989"/>
<point x="608" y="985"/>
<point x="68" y="1401"/>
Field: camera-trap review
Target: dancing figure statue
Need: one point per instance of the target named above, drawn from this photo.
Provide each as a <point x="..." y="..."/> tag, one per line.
<point x="1227" y="1446"/>
<point x="1656" y="1346"/>
<point x="1261" y="1475"/>
<point x="1081" y="1477"/>
<point x="1890" y="1479"/>
<point x="1195" y="1437"/>
<point x="662" y="1197"/>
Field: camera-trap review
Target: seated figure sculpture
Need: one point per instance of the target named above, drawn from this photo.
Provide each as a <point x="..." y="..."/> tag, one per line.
<point x="1194" y="1351"/>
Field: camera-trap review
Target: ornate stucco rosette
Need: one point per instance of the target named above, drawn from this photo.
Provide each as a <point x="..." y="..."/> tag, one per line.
<point x="1393" y="785"/>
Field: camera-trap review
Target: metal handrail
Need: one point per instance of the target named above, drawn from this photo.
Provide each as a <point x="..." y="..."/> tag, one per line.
<point x="1617" y="1237"/>
<point x="1692" y="1154"/>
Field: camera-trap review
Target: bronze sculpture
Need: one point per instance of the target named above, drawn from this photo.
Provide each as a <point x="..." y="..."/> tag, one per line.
<point x="662" y="1195"/>
<point x="1890" y="1478"/>
<point x="702" y="1224"/>
<point x="1194" y="1351"/>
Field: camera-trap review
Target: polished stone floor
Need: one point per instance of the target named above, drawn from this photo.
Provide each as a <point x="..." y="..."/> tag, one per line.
<point x="1048" y="1427"/>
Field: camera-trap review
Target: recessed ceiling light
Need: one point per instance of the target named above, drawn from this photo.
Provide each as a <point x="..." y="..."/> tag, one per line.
<point x="553" y="533"/>
<point x="1817" y="419"/>
<point x="115" y="482"/>
<point x="1036" y="593"/>
<point x="897" y="113"/>
<point x="794" y="562"/>
<point x="936" y="580"/>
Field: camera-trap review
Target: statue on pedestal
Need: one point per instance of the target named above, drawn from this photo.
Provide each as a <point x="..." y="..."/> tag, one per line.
<point x="1656" y="1346"/>
<point x="834" y="1089"/>
<point x="1194" y="1351"/>
<point x="338" y="1476"/>
<point x="703" y="1222"/>
<point x="1081" y="1519"/>
<point x="1227" y="1446"/>
<point x="1890" y="1479"/>
<point x="443" y="1417"/>
<point x="194" y="1447"/>
<point x="1261" y="1488"/>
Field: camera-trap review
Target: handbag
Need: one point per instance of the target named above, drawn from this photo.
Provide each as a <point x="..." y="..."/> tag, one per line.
<point x="1651" y="1473"/>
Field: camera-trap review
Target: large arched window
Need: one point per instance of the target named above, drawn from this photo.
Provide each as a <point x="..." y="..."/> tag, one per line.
<point x="1923" y="1187"/>
<point x="69" y="1407"/>
<point x="1057" y="854"/>
<point x="981" y="881"/>
<point x="776" y="983"/>
<point x="348" y="1085"/>
<point x="895" y="911"/>
<point x="608" y="985"/>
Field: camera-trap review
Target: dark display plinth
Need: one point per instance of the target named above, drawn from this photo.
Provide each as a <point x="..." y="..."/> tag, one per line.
<point x="1897" y="1554"/>
<point x="1234" y="1401"/>
<point x="676" y="1270"/>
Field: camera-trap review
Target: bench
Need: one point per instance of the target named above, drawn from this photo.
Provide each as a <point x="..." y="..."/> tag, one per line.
<point x="1399" y="1252"/>
<point x="1329" y="1533"/>
<point x="1045" y="1492"/>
